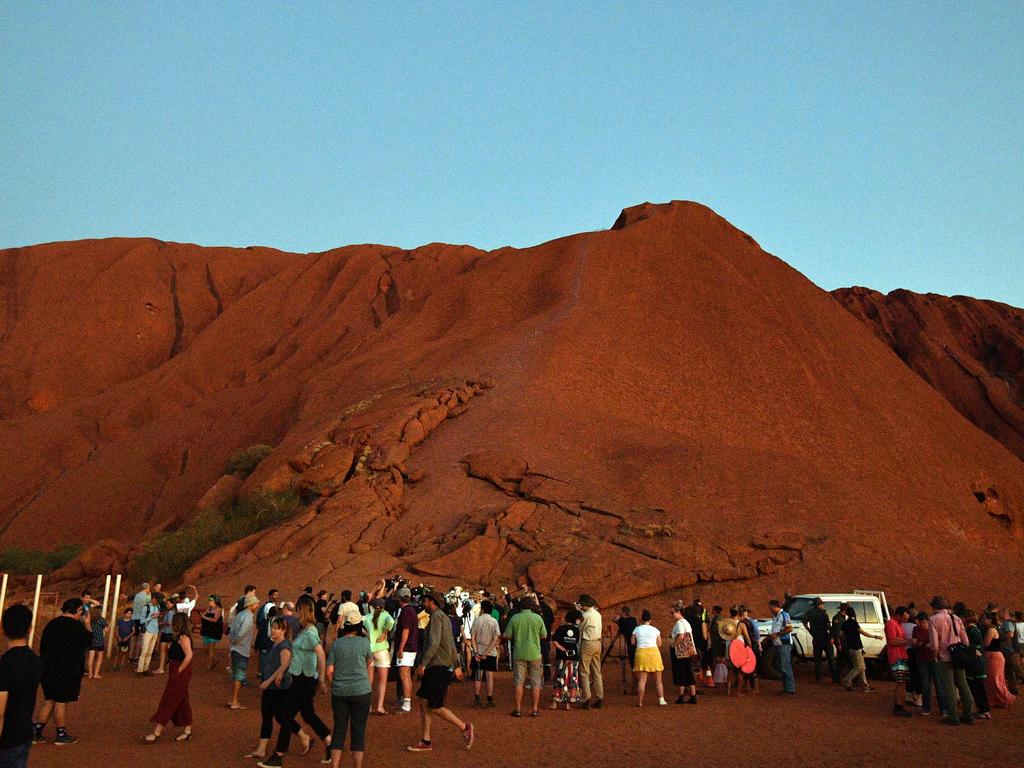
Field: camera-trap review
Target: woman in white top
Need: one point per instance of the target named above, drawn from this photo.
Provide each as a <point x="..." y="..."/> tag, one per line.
<point x="682" y="665"/>
<point x="647" y="640"/>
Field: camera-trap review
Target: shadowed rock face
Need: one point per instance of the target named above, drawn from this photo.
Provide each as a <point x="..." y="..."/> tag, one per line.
<point x="971" y="351"/>
<point x="656" y="408"/>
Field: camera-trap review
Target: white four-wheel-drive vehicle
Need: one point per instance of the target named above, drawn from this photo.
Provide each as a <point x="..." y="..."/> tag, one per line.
<point x="872" y="612"/>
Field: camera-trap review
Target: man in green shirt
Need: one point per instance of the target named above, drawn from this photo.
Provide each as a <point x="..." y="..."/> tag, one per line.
<point x="526" y="629"/>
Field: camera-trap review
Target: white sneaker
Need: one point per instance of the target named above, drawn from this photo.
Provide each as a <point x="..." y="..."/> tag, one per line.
<point x="406" y="705"/>
<point x="662" y="702"/>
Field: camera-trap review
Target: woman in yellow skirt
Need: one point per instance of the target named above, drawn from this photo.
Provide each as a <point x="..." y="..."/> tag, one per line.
<point x="647" y="640"/>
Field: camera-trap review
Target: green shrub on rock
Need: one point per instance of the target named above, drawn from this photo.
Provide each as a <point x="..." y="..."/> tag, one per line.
<point x="243" y="462"/>
<point x="170" y="554"/>
<point x="20" y="561"/>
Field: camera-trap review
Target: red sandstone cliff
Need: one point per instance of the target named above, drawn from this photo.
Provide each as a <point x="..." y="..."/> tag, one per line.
<point x="971" y="351"/>
<point x="633" y="412"/>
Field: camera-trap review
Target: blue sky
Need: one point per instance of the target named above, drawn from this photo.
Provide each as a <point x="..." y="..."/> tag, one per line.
<point x="871" y="144"/>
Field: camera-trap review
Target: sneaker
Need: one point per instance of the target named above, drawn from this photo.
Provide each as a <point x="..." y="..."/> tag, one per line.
<point x="406" y="706"/>
<point x="477" y="704"/>
<point x="693" y="700"/>
<point x="38" y="737"/>
<point x="274" y="761"/>
<point x="680" y="700"/>
<point x="469" y="734"/>
<point x="490" y="704"/>
<point x="65" y="738"/>
<point x="421" y="747"/>
<point x="516" y="713"/>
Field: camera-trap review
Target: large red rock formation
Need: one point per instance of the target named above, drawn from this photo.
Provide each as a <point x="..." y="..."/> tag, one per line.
<point x="632" y="412"/>
<point x="971" y="351"/>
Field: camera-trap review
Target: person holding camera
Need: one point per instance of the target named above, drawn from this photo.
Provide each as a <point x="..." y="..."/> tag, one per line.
<point x="407" y="630"/>
<point x="62" y="650"/>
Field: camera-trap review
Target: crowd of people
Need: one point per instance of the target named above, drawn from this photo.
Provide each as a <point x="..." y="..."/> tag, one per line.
<point x="352" y="646"/>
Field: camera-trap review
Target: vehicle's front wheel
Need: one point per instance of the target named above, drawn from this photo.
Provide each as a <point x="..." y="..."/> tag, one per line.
<point x="769" y="668"/>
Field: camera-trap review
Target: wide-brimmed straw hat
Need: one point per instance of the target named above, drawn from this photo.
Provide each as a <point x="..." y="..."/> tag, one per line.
<point x="727" y="628"/>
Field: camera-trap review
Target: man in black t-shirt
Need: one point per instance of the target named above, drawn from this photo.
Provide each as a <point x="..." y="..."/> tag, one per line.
<point x="852" y="631"/>
<point x="62" y="650"/>
<point x="20" y="670"/>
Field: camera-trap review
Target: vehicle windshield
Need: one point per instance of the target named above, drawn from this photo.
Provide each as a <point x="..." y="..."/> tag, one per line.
<point x="798" y="606"/>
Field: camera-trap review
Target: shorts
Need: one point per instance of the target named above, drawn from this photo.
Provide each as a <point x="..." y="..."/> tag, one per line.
<point x="210" y="640"/>
<point x="899" y="671"/>
<point x="486" y="664"/>
<point x="98" y="647"/>
<point x="532" y="670"/>
<point x="62" y="689"/>
<point x="16" y="756"/>
<point x="682" y="670"/>
<point x="137" y="628"/>
<point x="407" y="659"/>
<point x="434" y="686"/>
<point x="381" y="659"/>
<point x="166" y="637"/>
<point x="239" y="666"/>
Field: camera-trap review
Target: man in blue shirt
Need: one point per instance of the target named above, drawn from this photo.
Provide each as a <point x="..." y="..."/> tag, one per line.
<point x="149" y="622"/>
<point x="139" y="603"/>
<point x="782" y="639"/>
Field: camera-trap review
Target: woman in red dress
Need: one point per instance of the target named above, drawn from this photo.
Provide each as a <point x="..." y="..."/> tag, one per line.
<point x="174" y="705"/>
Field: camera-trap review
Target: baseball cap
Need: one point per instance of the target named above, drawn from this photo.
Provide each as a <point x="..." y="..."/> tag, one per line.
<point x="405" y="592"/>
<point x="251" y="600"/>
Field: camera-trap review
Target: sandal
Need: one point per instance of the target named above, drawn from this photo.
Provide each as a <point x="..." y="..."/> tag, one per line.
<point x="307" y="743"/>
<point x="183" y="736"/>
<point x="152" y="738"/>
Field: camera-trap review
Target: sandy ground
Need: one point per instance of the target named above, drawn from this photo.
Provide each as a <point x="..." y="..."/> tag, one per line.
<point x="822" y="725"/>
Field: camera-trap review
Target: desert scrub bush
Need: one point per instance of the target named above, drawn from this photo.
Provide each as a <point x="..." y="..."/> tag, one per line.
<point x="28" y="562"/>
<point x="170" y="554"/>
<point x="243" y="462"/>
